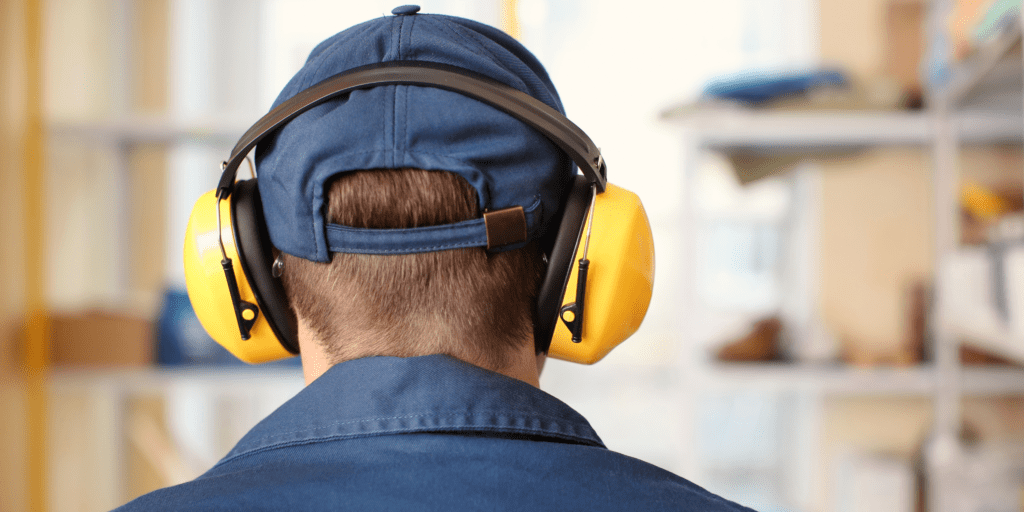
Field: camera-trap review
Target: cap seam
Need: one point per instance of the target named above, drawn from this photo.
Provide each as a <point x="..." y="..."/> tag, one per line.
<point x="405" y="132"/>
<point x="555" y="101"/>
<point x="394" y="122"/>
<point x="394" y="99"/>
<point x="324" y="58"/>
<point x="384" y="121"/>
<point x="481" y="49"/>
<point x="401" y="28"/>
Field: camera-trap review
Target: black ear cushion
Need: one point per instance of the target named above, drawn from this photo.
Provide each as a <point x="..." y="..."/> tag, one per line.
<point x="562" y="254"/>
<point x="257" y="257"/>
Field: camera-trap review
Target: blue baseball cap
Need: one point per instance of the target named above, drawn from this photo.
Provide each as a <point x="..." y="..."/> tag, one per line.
<point x="397" y="126"/>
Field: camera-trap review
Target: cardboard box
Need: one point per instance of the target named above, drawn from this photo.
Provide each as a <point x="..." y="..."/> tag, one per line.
<point x="905" y="43"/>
<point x="101" y="338"/>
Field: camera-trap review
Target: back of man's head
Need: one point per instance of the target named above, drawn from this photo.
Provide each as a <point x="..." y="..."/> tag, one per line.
<point x="398" y="157"/>
<point x="463" y="302"/>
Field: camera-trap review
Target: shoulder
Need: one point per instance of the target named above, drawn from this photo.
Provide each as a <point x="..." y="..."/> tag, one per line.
<point x="437" y="472"/>
<point x="613" y="481"/>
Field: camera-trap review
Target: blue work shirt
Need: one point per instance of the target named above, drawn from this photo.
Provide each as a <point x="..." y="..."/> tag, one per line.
<point x="427" y="433"/>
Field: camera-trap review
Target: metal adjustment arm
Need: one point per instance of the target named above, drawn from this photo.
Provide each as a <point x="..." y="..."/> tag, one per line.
<point x="241" y="306"/>
<point x="572" y="314"/>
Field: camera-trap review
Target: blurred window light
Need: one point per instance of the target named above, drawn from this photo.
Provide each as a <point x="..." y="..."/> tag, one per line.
<point x="740" y="236"/>
<point x="720" y="194"/>
<point x="738" y="265"/>
<point x="292" y="28"/>
<point x="534" y="13"/>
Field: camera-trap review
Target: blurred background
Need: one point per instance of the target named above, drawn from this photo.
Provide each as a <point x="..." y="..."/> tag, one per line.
<point x="835" y="190"/>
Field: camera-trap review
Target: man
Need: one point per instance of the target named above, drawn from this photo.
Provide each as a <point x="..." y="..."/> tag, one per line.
<point x="419" y="357"/>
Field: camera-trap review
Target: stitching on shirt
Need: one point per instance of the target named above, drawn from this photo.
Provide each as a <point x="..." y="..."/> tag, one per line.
<point x="338" y="437"/>
<point x="530" y="414"/>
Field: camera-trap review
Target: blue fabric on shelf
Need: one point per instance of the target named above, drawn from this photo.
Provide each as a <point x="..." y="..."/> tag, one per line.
<point x="759" y="87"/>
<point x="181" y="340"/>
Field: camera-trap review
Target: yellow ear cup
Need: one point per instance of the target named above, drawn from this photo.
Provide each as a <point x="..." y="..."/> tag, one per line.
<point x="208" y="288"/>
<point x="619" y="282"/>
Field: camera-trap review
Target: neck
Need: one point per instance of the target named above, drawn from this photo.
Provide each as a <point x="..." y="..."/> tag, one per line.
<point x="523" y="364"/>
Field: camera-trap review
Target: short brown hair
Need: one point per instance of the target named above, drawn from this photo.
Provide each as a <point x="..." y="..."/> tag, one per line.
<point x="465" y="302"/>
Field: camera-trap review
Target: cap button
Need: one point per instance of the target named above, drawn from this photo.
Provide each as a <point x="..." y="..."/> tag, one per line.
<point x="403" y="10"/>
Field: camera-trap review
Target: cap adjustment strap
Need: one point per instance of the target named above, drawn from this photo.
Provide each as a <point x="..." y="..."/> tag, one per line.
<point x="497" y="230"/>
<point x="505" y="227"/>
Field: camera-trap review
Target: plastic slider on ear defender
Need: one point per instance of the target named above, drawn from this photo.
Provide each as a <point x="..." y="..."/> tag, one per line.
<point x="572" y="314"/>
<point x="245" y="312"/>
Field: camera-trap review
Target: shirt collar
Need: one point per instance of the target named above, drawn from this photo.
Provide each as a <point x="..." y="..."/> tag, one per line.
<point x="389" y="395"/>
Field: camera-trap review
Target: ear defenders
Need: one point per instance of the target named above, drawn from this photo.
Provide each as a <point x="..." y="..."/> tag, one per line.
<point x="594" y="294"/>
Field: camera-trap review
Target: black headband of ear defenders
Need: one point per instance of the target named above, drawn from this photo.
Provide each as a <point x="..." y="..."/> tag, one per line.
<point x="548" y="121"/>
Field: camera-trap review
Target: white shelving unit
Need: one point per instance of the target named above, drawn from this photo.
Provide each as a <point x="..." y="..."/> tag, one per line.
<point x="991" y="72"/>
<point x="919" y="381"/>
<point x="980" y="103"/>
<point x="732" y="129"/>
<point x="967" y="309"/>
<point x="991" y="79"/>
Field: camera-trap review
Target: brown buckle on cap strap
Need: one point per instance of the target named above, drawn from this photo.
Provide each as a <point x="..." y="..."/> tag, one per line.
<point x="505" y="227"/>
